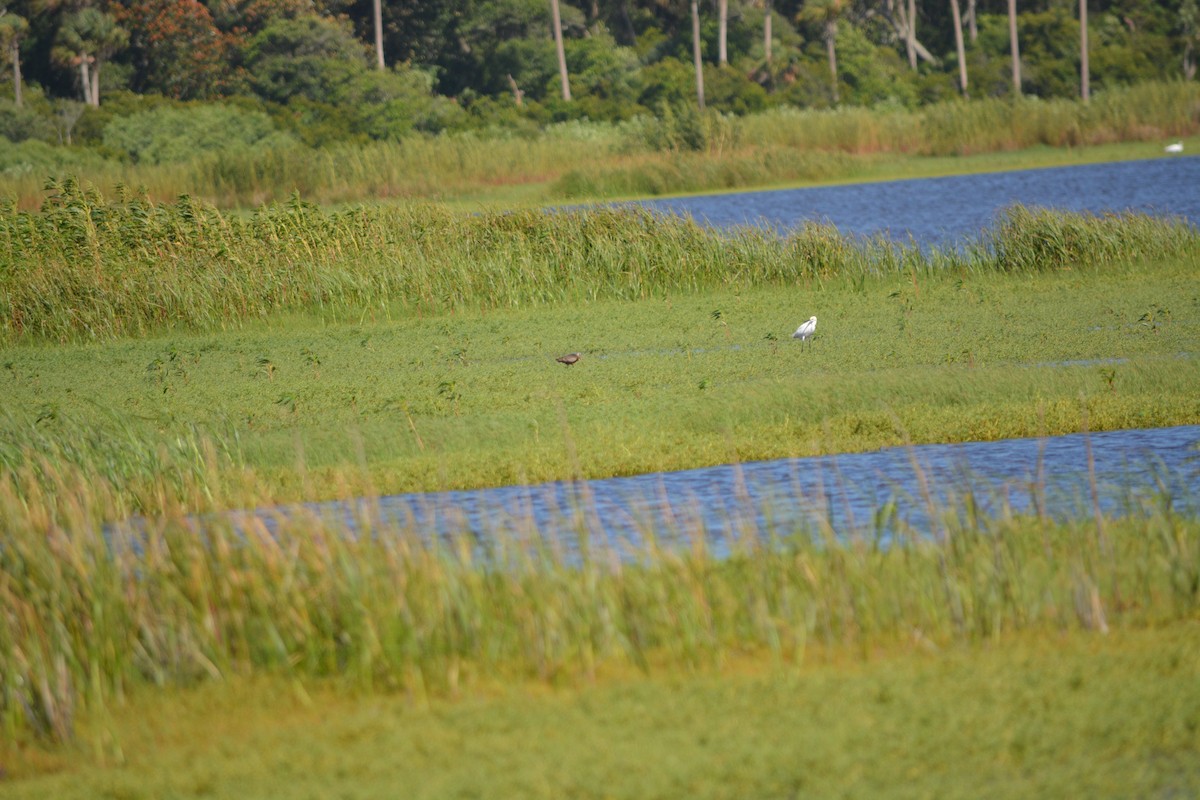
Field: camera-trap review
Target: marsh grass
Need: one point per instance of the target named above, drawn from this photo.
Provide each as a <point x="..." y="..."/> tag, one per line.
<point x="667" y="154"/>
<point x="390" y="399"/>
<point x="90" y="610"/>
<point x="83" y="268"/>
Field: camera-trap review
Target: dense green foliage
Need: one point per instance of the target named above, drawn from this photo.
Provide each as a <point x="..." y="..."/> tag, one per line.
<point x="279" y="79"/>
<point x="623" y="57"/>
<point x="234" y="155"/>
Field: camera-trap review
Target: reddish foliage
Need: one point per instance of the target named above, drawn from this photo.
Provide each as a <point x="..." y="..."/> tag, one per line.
<point x="179" y="51"/>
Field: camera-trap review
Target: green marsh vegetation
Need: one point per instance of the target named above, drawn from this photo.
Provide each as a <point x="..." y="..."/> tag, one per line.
<point x="679" y="152"/>
<point x="173" y="362"/>
<point x="409" y="348"/>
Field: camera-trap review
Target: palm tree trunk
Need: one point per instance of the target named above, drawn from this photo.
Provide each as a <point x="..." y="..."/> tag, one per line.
<point x="1016" y="49"/>
<point x="1084" y="89"/>
<point x="972" y="22"/>
<point x="958" y="46"/>
<point x="831" y="48"/>
<point x="630" y="33"/>
<point x="378" y="9"/>
<point x="15" y="54"/>
<point x="85" y="78"/>
<point x="95" y="101"/>
<point x="722" y="31"/>
<point x="696" y="53"/>
<point x="911" y="40"/>
<point x="558" y="46"/>
<point x="767" y="30"/>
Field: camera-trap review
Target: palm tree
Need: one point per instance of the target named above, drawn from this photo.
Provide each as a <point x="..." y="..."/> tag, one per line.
<point x="825" y="13"/>
<point x="722" y="31"/>
<point x="696" y="53"/>
<point x="378" y="15"/>
<point x="12" y="30"/>
<point x="767" y="30"/>
<point x="899" y="14"/>
<point x="1084" y="89"/>
<point x="910" y="41"/>
<point x="558" y="46"/>
<point x="87" y="39"/>
<point x="956" y="14"/>
<point x="1189" y="17"/>
<point x="1016" y="50"/>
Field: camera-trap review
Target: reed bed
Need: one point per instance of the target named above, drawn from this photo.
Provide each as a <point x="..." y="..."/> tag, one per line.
<point x="89" y="610"/>
<point x="671" y="153"/>
<point x="87" y="268"/>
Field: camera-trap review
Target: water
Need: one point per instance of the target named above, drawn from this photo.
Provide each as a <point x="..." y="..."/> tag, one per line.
<point x="873" y="494"/>
<point x="951" y="211"/>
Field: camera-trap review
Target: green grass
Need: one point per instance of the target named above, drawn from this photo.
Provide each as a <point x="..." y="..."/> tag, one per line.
<point x="399" y="401"/>
<point x="1048" y="716"/>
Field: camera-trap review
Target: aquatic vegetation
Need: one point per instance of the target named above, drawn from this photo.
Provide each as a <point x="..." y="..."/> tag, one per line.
<point x="86" y="268"/>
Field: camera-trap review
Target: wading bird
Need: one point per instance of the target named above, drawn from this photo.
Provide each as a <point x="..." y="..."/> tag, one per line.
<point x="805" y="331"/>
<point x="568" y="359"/>
<point x="1174" y="147"/>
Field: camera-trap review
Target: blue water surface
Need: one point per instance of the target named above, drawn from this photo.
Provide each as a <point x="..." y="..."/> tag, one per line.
<point x="874" y="495"/>
<point x="951" y="211"/>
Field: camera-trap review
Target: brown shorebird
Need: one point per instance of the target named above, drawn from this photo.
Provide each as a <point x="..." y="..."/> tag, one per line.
<point x="568" y="359"/>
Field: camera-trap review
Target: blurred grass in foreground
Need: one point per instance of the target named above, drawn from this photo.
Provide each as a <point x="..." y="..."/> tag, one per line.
<point x="1052" y="714"/>
<point x="89" y="612"/>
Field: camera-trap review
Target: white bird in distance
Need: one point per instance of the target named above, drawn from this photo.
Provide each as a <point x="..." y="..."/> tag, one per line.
<point x="1174" y="147"/>
<point x="805" y="331"/>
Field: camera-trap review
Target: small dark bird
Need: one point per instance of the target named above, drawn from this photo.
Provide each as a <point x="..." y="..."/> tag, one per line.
<point x="568" y="359"/>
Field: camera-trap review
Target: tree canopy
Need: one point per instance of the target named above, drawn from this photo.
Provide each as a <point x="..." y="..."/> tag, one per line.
<point x="453" y="64"/>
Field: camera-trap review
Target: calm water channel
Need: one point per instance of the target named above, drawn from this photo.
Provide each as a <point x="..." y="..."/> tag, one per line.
<point x="867" y="493"/>
<point x="945" y="212"/>
<point x="870" y="494"/>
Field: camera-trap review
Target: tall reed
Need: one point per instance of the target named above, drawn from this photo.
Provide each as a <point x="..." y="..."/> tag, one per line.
<point x="88" y="268"/>
<point x="649" y="156"/>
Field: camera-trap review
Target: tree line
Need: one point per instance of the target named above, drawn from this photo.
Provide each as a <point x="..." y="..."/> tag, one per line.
<point x="381" y="68"/>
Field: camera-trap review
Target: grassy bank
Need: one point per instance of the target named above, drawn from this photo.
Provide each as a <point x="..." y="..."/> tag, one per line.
<point x="1057" y="715"/>
<point x="670" y="155"/>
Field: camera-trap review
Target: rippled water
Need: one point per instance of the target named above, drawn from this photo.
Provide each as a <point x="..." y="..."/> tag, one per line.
<point x="873" y="494"/>
<point x="952" y="210"/>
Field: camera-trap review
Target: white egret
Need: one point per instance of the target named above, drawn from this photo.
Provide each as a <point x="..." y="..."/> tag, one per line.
<point x="1174" y="147"/>
<point x="805" y="331"/>
<point x="569" y="358"/>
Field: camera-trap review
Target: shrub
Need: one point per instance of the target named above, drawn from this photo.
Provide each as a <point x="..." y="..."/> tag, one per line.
<point x="171" y="135"/>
